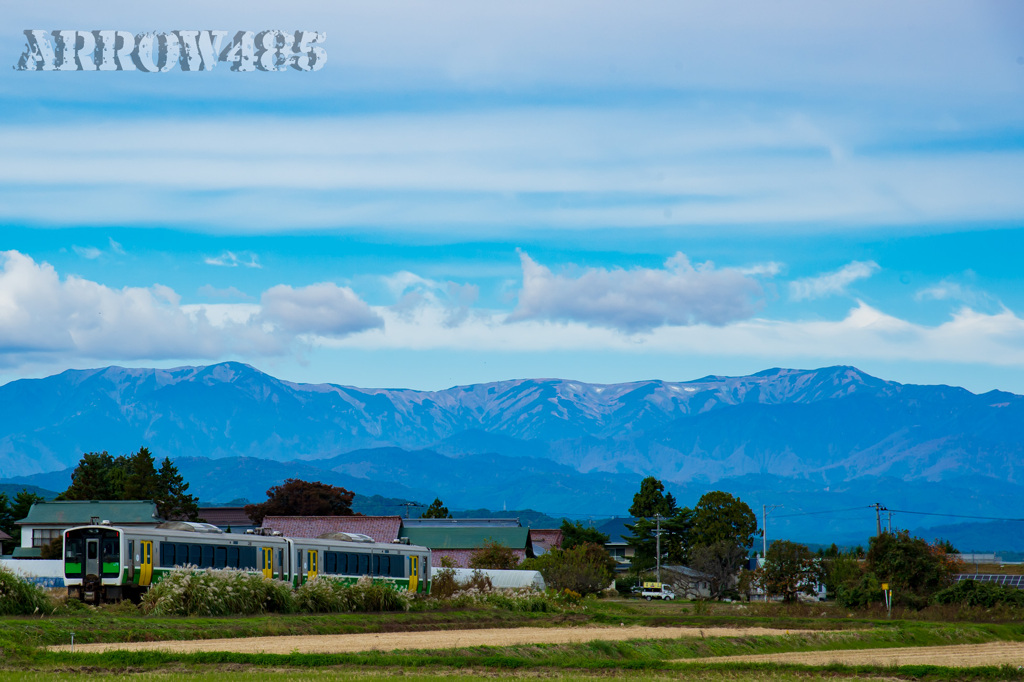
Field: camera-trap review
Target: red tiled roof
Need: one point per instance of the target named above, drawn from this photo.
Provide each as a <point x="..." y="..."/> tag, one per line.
<point x="225" y="516"/>
<point x="380" y="528"/>
<point x="545" y="539"/>
<point x="462" y="557"/>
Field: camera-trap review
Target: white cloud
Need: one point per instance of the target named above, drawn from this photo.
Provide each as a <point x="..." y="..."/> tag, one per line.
<point x="230" y="259"/>
<point x="865" y="333"/>
<point x="831" y="283"/>
<point x="639" y="299"/>
<point x="951" y="290"/>
<point x="324" y="309"/>
<point x="228" y="293"/>
<point x="87" y="252"/>
<point x="42" y="315"/>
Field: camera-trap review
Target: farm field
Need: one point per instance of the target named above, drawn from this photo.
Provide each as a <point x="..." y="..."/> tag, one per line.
<point x="443" y="639"/>
<point x="606" y="640"/>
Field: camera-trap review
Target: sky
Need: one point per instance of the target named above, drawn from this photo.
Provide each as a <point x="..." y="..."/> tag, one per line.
<point x="470" y="192"/>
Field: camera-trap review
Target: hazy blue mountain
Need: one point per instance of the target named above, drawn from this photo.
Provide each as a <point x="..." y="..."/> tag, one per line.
<point x="831" y="437"/>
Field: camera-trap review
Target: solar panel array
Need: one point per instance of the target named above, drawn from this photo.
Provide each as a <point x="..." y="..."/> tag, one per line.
<point x="999" y="579"/>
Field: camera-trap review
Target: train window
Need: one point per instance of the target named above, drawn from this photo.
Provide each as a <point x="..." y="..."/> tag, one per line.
<point x="280" y="564"/>
<point x="220" y="557"/>
<point x="206" y="557"/>
<point x="90" y="550"/>
<point x="73" y="549"/>
<point x="166" y="554"/>
<point x="195" y="555"/>
<point x="247" y="557"/>
<point x="364" y="564"/>
<point x="342" y="563"/>
<point x="233" y="557"/>
<point x="330" y="562"/>
<point x="398" y="567"/>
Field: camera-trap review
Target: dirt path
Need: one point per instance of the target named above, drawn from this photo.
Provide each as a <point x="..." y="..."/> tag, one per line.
<point x="439" y="639"/>
<point x="958" y="656"/>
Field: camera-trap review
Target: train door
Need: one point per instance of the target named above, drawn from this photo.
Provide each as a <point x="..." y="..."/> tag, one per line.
<point x="268" y="562"/>
<point x="414" y="573"/>
<point x="92" y="556"/>
<point x="313" y="564"/>
<point x="145" y="562"/>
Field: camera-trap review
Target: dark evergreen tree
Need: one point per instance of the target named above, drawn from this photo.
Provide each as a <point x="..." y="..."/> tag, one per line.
<point x="436" y="510"/>
<point x="92" y="479"/>
<point x="575" y="533"/>
<point x="175" y="502"/>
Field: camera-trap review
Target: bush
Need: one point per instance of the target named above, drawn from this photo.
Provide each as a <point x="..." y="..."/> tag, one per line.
<point x="444" y="585"/>
<point x="19" y="597"/>
<point x="983" y="594"/>
<point x="585" y="568"/>
<point x="322" y="595"/>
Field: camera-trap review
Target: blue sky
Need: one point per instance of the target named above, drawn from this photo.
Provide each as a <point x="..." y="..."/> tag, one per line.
<point x="475" y="191"/>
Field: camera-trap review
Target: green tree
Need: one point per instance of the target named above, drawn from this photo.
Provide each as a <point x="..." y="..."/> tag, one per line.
<point x="436" y="510"/>
<point x="99" y="476"/>
<point x="174" y="501"/>
<point x="575" y="533"/>
<point x="92" y="479"/>
<point x="914" y="569"/>
<point x="296" y="497"/>
<point x="141" y="481"/>
<point x="839" y="570"/>
<point x="789" y="570"/>
<point x="718" y="516"/>
<point x="23" y="502"/>
<point x="493" y="555"/>
<point x="652" y="500"/>
<point x="585" y="568"/>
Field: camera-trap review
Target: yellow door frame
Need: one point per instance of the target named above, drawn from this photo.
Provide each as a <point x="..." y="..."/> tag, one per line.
<point x="146" y="557"/>
<point x="414" y="573"/>
<point x="268" y="562"/>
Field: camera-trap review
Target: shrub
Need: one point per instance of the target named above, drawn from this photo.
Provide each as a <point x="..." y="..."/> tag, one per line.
<point x="985" y="595"/>
<point x="494" y="555"/>
<point x="444" y="585"/>
<point x="585" y="568"/>
<point x="322" y="595"/>
<point x="19" y="597"/>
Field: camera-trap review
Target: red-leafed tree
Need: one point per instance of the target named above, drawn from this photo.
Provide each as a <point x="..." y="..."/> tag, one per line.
<point x="296" y="497"/>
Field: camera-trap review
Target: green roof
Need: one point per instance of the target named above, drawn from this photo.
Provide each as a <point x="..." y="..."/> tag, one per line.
<point x="466" y="538"/>
<point x="82" y="513"/>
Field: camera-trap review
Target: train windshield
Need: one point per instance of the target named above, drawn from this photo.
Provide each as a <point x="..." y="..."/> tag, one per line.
<point x="92" y="551"/>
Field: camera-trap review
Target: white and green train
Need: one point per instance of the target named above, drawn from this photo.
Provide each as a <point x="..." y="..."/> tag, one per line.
<point x="109" y="563"/>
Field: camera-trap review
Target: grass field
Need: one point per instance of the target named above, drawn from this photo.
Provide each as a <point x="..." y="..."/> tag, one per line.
<point x="653" y="657"/>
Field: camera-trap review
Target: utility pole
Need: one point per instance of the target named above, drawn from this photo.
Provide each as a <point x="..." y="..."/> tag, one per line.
<point x="657" y="535"/>
<point x="878" y="516"/>
<point x="407" y="505"/>
<point x="764" y="527"/>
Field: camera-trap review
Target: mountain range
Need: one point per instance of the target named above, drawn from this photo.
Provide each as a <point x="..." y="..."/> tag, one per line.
<point x="828" y="439"/>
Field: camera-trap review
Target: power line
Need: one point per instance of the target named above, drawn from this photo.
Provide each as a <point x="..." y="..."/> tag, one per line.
<point x="956" y="516"/>
<point x="826" y="511"/>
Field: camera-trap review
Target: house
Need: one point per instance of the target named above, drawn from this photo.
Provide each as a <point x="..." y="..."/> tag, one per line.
<point x="617" y="546"/>
<point x="47" y="521"/>
<point x="225" y="518"/>
<point x="545" y="539"/>
<point x="687" y="582"/>
<point x="380" y="528"/>
<point x="459" y="543"/>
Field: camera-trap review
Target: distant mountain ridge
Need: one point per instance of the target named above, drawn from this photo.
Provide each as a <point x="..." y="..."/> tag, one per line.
<point x="539" y="443"/>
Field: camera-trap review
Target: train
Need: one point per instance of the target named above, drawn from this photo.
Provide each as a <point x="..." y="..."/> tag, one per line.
<point x="105" y="563"/>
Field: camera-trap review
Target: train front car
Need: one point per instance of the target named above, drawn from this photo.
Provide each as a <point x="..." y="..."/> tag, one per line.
<point x="93" y="566"/>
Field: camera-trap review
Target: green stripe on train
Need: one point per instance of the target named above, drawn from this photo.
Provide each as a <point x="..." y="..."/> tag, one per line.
<point x="73" y="569"/>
